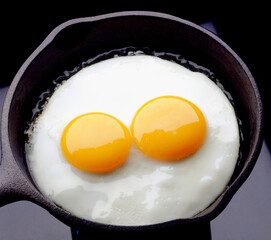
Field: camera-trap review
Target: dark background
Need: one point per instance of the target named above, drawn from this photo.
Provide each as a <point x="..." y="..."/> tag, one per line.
<point x="244" y="27"/>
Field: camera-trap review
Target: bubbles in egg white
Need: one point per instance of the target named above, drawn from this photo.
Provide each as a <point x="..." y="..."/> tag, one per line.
<point x="143" y="191"/>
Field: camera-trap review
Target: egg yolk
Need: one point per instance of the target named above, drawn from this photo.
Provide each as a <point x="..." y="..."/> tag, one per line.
<point x="96" y="142"/>
<point x="168" y="128"/>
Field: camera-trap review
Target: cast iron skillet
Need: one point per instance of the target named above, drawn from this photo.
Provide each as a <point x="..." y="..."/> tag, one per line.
<point x="80" y="39"/>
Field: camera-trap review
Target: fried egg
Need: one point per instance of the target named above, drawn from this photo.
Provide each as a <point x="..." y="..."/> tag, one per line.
<point x="134" y="140"/>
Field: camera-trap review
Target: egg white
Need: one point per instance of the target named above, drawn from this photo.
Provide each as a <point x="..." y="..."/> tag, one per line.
<point x="143" y="191"/>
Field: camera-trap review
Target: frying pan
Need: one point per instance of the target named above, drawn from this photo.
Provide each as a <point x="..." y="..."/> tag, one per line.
<point x="80" y="39"/>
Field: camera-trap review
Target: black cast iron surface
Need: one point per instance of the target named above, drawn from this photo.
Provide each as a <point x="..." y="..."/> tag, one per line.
<point x="264" y="230"/>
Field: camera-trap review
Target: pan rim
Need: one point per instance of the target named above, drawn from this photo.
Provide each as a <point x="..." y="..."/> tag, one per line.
<point x="254" y="152"/>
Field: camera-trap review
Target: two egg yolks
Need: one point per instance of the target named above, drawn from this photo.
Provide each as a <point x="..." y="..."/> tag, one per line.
<point x="166" y="128"/>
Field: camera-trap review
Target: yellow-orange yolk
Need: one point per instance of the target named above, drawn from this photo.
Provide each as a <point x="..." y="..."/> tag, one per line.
<point x="96" y="142"/>
<point x="168" y="128"/>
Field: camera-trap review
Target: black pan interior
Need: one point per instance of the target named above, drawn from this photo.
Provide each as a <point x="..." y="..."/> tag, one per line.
<point x="83" y="40"/>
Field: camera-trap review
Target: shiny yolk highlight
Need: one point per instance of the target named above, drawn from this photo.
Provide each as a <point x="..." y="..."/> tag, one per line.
<point x="168" y="128"/>
<point x="96" y="142"/>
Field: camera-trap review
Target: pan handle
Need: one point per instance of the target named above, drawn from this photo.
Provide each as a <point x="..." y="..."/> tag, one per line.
<point x="13" y="184"/>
